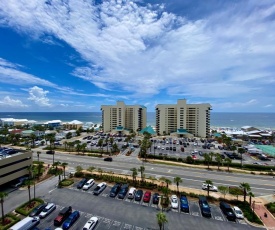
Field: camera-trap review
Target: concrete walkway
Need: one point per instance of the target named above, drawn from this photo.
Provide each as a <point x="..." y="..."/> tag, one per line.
<point x="260" y="210"/>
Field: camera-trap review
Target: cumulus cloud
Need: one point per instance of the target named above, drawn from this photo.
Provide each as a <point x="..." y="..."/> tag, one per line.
<point x="39" y="96"/>
<point x="145" y="51"/>
<point x="9" y="102"/>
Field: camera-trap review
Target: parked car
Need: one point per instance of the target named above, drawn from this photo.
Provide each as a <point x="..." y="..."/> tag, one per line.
<point x="138" y="195"/>
<point x="71" y="220"/>
<point x="132" y="193"/>
<point x="238" y="212"/>
<point x="174" y="201"/>
<point x="123" y="191"/>
<point x="26" y="223"/>
<point x="227" y="211"/>
<point x="99" y="188"/>
<point x="18" y="182"/>
<point x="81" y="183"/>
<point x="108" y="159"/>
<point x="211" y="187"/>
<point x="47" y="210"/>
<point x="37" y="210"/>
<point x="184" y="206"/>
<point x="91" y="223"/>
<point x="62" y="215"/>
<point x="115" y="190"/>
<point x="88" y="184"/>
<point x="147" y="197"/>
<point x="204" y="206"/>
<point x="155" y="198"/>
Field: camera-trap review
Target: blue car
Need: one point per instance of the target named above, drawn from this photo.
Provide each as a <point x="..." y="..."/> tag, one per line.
<point x="70" y="220"/>
<point x="184" y="206"/>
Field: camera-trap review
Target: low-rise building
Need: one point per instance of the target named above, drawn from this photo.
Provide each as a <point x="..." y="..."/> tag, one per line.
<point x="14" y="166"/>
<point x="75" y="124"/>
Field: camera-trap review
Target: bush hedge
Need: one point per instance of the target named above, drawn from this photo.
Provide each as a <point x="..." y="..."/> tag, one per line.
<point x="271" y="207"/>
<point x="11" y="216"/>
<point x="66" y="182"/>
<point x="21" y="211"/>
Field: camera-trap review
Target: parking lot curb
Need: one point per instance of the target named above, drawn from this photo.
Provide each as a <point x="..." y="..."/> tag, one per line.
<point x="254" y="224"/>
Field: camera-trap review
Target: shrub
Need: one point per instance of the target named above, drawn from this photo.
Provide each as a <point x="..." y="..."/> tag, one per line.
<point x="11" y="220"/>
<point x="79" y="174"/>
<point x="189" y="160"/>
<point x="66" y="182"/>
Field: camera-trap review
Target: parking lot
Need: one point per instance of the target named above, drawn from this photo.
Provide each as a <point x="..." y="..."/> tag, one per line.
<point x="105" y="222"/>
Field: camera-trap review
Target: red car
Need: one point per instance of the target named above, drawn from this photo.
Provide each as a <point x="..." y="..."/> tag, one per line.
<point x="147" y="197"/>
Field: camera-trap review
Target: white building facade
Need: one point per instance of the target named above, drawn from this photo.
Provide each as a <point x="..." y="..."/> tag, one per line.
<point x="194" y="118"/>
<point x="130" y="117"/>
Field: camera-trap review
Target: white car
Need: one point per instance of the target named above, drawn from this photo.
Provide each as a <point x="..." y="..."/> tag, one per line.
<point x="174" y="201"/>
<point x="47" y="210"/>
<point x="91" y="223"/>
<point x="88" y="184"/>
<point x="238" y="212"/>
<point x="211" y="187"/>
<point x="99" y="188"/>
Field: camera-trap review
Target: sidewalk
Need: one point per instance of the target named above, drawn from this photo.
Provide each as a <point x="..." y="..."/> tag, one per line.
<point x="268" y="221"/>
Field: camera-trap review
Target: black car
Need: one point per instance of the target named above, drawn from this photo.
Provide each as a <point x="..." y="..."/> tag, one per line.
<point x="50" y="152"/>
<point x="138" y="195"/>
<point x="108" y="159"/>
<point x="155" y="198"/>
<point x="81" y="183"/>
<point x="36" y="211"/>
<point x="204" y="206"/>
<point x="115" y="190"/>
<point x="227" y="211"/>
<point x="123" y="191"/>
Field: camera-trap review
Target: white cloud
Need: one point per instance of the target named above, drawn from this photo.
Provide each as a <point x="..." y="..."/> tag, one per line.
<point x="39" y="96"/>
<point x="145" y="51"/>
<point x="268" y="106"/>
<point x="9" y="102"/>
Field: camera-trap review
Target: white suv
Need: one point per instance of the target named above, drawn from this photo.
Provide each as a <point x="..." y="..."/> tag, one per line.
<point x="88" y="184"/>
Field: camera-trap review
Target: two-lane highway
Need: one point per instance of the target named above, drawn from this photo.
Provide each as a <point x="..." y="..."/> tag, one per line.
<point x="192" y="177"/>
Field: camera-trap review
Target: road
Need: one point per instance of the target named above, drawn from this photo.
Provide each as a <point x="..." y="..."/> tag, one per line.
<point x="192" y="177"/>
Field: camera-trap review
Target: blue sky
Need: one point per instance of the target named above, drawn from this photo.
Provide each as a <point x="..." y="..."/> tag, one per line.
<point x="75" y="55"/>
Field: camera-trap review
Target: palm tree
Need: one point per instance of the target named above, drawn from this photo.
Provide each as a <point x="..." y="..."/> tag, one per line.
<point x="83" y="147"/>
<point x="56" y="164"/>
<point x="100" y="144"/>
<point x="65" y="145"/>
<point x="177" y="180"/>
<point x="208" y="182"/>
<point x="107" y="142"/>
<point x="64" y="164"/>
<point x="2" y="196"/>
<point x="38" y="153"/>
<point x="228" y="161"/>
<point x="218" y="160"/>
<point x="33" y="137"/>
<point x="78" y="148"/>
<point x="166" y="180"/>
<point x="111" y="142"/>
<point x="161" y="219"/>
<point x="250" y="194"/>
<point x="39" y="168"/>
<point x="29" y="182"/>
<point x="223" y="190"/>
<point x="207" y="159"/>
<point x="241" y="151"/>
<point x="134" y="173"/>
<point x="246" y="188"/>
<point x="141" y="170"/>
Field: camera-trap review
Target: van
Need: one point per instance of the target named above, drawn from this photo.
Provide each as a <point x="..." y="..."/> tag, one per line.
<point x="132" y="193"/>
<point x="26" y="224"/>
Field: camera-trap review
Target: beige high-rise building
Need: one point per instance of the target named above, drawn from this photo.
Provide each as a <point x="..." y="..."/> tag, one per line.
<point x="121" y="116"/>
<point x="183" y="117"/>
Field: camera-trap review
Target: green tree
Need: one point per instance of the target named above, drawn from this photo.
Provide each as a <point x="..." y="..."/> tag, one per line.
<point x="134" y="173"/>
<point x="223" y="190"/>
<point x="107" y="143"/>
<point x="233" y="148"/>
<point x="28" y="183"/>
<point x="2" y="196"/>
<point x="177" y="180"/>
<point x="83" y="148"/>
<point x="33" y="137"/>
<point x="100" y="144"/>
<point x="91" y="169"/>
<point x="166" y="180"/>
<point x="218" y="160"/>
<point x="241" y="151"/>
<point x="111" y="142"/>
<point x="161" y="219"/>
<point x="40" y="166"/>
<point x="78" y="147"/>
<point x="69" y="135"/>
<point x="228" y="161"/>
<point x="64" y="164"/>
<point x="56" y="164"/>
<point x="250" y="194"/>
<point x="246" y="188"/>
<point x="208" y="182"/>
<point x="142" y="170"/>
<point x="78" y="168"/>
<point x="235" y="191"/>
<point x="207" y="159"/>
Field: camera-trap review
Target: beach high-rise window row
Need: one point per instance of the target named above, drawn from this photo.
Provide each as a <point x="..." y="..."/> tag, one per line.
<point x="181" y="118"/>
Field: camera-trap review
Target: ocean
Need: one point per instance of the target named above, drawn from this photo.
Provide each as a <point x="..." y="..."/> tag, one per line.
<point x="230" y="120"/>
